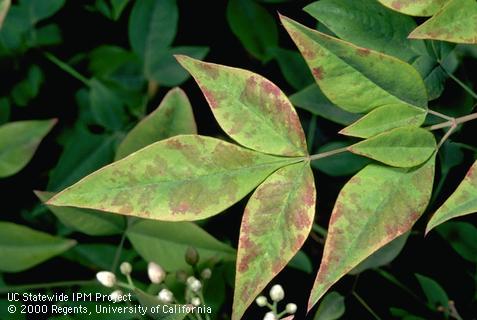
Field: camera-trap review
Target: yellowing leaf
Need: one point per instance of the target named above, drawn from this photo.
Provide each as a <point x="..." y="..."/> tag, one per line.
<point x="423" y="8"/>
<point x="173" y="117"/>
<point x="462" y="202"/>
<point x="354" y="78"/>
<point x="187" y="177"/>
<point x="250" y="109"/>
<point x="455" y="22"/>
<point x="400" y="147"/>
<point x="385" y="118"/>
<point x="376" y="206"/>
<point x="276" y="223"/>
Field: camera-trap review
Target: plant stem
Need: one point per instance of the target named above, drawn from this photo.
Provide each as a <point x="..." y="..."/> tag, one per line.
<point x="462" y="84"/>
<point x="366" y="306"/>
<point x="311" y="133"/>
<point x="447" y="135"/>
<point x="455" y="121"/>
<point x="117" y="255"/>
<point x="67" y="68"/>
<point x="397" y="283"/>
<point x="328" y="153"/>
<point x="59" y="284"/>
<point x="440" y="115"/>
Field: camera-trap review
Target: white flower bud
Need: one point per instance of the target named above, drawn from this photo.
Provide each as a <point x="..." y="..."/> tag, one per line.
<point x="106" y="278"/>
<point x="270" y="316"/>
<point x="166" y="296"/>
<point x="125" y="268"/>
<point x="291" y="308"/>
<point x="277" y="293"/>
<point x="116" y="295"/>
<point x="195" y="301"/>
<point x="194" y="284"/>
<point x="206" y="273"/>
<point x="155" y="272"/>
<point x="261" y="301"/>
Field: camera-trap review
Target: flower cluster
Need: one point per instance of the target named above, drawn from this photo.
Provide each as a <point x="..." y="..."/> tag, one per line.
<point x="277" y="294"/>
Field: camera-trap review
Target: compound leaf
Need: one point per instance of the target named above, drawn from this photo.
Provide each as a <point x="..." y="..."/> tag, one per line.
<point x="187" y="177"/>
<point x="400" y="147"/>
<point x="23" y="248"/>
<point x="276" y="223"/>
<point x="173" y="117"/>
<point x="376" y="206"/>
<point x="354" y="78"/>
<point x="18" y="143"/>
<point x="455" y="22"/>
<point x="250" y="109"/>
<point x="462" y="202"/>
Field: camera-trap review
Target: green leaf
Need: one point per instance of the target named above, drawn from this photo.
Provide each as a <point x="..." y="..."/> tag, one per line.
<point x="174" y="180"/>
<point x="331" y="308"/>
<point x="23" y="248"/>
<point x="385" y="118"/>
<point x="4" y="6"/>
<point x="293" y="67"/>
<point x="18" y="143"/>
<point x="354" y="78"/>
<point x="90" y="222"/>
<point x="383" y="256"/>
<point x="436" y="296"/>
<point x="166" y="243"/>
<point x="27" y="89"/>
<point x="40" y="10"/>
<point x="275" y="224"/>
<point x="342" y="164"/>
<point x="254" y="26"/>
<point x="462" y="237"/>
<point x="301" y="262"/>
<point x="168" y="72"/>
<point x="106" y="59"/>
<point x="98" y="256"/>
<point x="5" y="315"/>
<point x="455" y="22"/>
<point x="376" y="206"/>
<point x="83" y="153"/>
<point x="422" y="8"/>
<point x="250" y="109"/>
<point x="107" y="107"/>
<point x="149" y="301"/>
<point x="403" y="314"/>
<point x="313" y="100"/>
<point x="4" y="110"/>
<point x="462" y="202"/>
<point x="400" y="147"/>
<point x="173" y="117"/>
<point x="152" y="28"/>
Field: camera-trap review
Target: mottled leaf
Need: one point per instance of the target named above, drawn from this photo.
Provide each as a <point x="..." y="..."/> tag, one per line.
<point x="354" y="78"/>
<point x="23" y="248"/>
<point x="331" y="308"/>
<point x="182" y="178"/>
<point x="436" y="296"/>
<point x="275" y="224"/>
<point x="400" y="147"/>
<point x="376" y="206"/>
<point x="385" y="118"/>
<point x="422" y="8"/>
<point x="462" y="202"/>
<point x="90" y="222"/>
<point x="383" y="256"/>
<point x="455" y="22"/>
<point x="252" y="110"/>
<point x="4" y="6"/>
<point x="166" y="243"/>
<point x="313" y="100"/>
<point x="462" y="236"/>
<point x="18" y="143"/>
<point x="254" y="26"/>
<point x="173" y="117"/>
<point x="341" y="164"/>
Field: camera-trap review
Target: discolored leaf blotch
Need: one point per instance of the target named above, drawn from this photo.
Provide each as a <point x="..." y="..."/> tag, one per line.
<point x="173" y="117"/>
<point x="421" y="8"/>
<point x="400" y="147"/>
<point x="250" y="109"/>
<point x="376" y="206"/>
<point x="4" y="6"/>
<point x="385" y="118"/>
<point x="455" y="22"/>
<point x="355" y="78"/>
<point x="18" y="143"/>
<point x="276" y="223"/>
<point x="462" y="202"/>
<point x="186" y="177"/>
